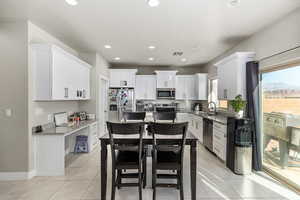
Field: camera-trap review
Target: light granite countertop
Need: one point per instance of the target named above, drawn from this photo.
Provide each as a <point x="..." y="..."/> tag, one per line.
<point x="65" y="130"/>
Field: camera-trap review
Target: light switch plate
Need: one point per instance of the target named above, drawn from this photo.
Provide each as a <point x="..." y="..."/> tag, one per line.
<point x="8" y="112"/>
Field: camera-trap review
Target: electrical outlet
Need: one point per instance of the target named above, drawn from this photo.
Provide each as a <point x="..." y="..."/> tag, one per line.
<point x="50" y="118"/>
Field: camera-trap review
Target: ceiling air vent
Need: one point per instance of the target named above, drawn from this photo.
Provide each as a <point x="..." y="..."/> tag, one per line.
<point x="177" y="53"/>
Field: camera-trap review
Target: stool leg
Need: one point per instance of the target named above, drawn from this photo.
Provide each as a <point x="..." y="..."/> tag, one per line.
<point x="145" y="171"/>
<point x="181" y="187"/>
<point x="113" y="184"/>
<point x="119" y="178"/>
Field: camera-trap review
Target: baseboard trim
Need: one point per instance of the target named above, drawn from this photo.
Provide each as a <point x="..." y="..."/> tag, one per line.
<point x="12" y="176"/>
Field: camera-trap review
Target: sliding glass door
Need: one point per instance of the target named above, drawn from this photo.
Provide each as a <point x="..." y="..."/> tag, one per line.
<point x="281" y="123"/>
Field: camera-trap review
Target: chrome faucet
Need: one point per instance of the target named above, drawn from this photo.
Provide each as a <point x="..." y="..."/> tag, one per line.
<point x="214" y="108"/>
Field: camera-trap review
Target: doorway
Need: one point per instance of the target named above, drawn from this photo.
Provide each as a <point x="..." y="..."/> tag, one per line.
<point x="281" y="124"/>
<point x="103" y="104"/>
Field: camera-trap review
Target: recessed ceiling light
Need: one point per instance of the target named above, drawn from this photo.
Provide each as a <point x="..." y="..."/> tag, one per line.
<point x="151" y="47"/>
<point x="117" y="58"/>
<point x="72" y="2"/>
<point x="107" y="46"/>
<point x="183" y="59"/>
<point x="153" y="3"/>
<point x="233" y="3"/>
<point x="151" y="59"/>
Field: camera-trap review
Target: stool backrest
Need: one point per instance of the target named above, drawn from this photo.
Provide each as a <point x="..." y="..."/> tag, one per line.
<point x="136" y="116"/>
<point x="170" y="116"/>
<point x="170" y="129"/>
<point x="123" y="130"/>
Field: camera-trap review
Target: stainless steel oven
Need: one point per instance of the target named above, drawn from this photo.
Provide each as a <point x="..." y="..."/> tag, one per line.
<point x="165" y="93"/>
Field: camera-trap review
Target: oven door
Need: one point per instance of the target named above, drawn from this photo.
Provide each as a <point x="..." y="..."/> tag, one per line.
<point x="165" y="94"/>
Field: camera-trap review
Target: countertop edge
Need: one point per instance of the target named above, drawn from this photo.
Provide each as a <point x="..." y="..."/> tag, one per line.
<point x="69" y="130"/>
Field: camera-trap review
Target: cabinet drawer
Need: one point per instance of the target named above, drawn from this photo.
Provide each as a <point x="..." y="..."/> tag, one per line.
<point x="94" y="128"/>
<point x="217" y="149"/>
<point x="220" y="127"/>
<point x="220" y="150"/>
<point x="217" y="137"/>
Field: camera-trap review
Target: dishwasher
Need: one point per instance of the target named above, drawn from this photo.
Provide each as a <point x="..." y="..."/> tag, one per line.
<point x="208" y="134"/>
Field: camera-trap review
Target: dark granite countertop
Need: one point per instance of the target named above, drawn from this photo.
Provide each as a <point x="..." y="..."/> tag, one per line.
<point x="220" y="118"/>
<point x="65" y="130"/>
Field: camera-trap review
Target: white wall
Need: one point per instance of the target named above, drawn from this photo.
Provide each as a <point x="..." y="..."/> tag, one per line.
<point x="14" y="143"/>
<point x="276" y="38"/>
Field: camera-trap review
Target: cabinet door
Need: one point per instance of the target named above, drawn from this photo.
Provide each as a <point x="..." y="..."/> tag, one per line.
<point x="180" y="87"/>
<point x="222" y="82"/>
<point x="145" y="87"/>
<point x="190" y="88"/>
<point x="61" y="66"/>
<point x="122" y="78"/>
<point x="86" y="82"/>
<point x="114" y="78"/>
<point x="231" y="77"/>
<point x="130" y="77"/>
<point x="140" y="87"/>
<point x="231" y="74"/>
<point x="151" y="87"/>
<point x="163" y="80"/>
<point x="200" y="128"/>
<point x="201" y="81"/>
<point x="166" y="79"/>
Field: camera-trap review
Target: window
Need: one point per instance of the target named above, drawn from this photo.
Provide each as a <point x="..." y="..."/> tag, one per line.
<point x="280" y="113"/>
<point x="213" y="91"/>
<point x="213" y="94"/>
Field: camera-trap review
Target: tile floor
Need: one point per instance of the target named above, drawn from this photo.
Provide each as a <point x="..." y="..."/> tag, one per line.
<point x="82" y="181"/>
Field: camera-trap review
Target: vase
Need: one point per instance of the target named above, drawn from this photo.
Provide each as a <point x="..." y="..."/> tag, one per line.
<point x="239" y="114"/>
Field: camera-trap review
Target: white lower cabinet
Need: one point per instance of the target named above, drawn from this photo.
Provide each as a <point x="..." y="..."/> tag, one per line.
<point x="195" y="124"/>
<point x="93" y="136"/>
<point x="220" y="140"/>
<point x="50" y="150"/>
<point x="184" y="117"/>
<point x="199" y="128"/>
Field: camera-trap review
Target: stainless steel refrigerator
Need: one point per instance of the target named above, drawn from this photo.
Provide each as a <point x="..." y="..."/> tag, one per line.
<point x="120" y="100"/>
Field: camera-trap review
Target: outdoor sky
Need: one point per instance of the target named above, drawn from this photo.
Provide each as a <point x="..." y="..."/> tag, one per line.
<point x="290" y="76"/>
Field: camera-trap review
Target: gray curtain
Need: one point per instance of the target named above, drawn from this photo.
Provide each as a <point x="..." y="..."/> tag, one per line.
<point x="253" y="109"/>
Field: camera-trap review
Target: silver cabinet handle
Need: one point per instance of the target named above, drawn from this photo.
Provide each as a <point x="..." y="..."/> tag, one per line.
<point x="66" y="92"/>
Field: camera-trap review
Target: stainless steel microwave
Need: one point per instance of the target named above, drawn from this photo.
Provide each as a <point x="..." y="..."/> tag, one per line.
<point x="165" y="93"/>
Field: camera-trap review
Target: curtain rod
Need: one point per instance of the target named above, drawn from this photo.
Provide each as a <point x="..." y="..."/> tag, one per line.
<point x="276" y="54"/>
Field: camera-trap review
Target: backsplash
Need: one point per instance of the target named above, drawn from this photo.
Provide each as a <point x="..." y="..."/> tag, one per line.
<point x="43" y="110"/>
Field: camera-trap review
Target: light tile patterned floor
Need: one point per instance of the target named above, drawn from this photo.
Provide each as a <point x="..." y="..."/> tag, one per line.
<point x="82" y="181"/>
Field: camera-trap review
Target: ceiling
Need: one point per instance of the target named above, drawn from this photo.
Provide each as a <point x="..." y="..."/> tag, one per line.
<point x="201" y="29"/>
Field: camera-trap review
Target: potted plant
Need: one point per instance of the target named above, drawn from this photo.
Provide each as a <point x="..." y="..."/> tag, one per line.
<point x="238" y="105"/>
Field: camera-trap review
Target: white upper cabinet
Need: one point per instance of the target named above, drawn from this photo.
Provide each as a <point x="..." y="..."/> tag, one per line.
<point x="122" y="78"/>
<point x="145" y="87"/>
<point x="201" y="85"/>
<point x="166" y="79"/>
<point x="185" y="87"/>
<point x="232" y="75"/>
<point x="58" y="75"/>
<point x="191" y="87"/>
